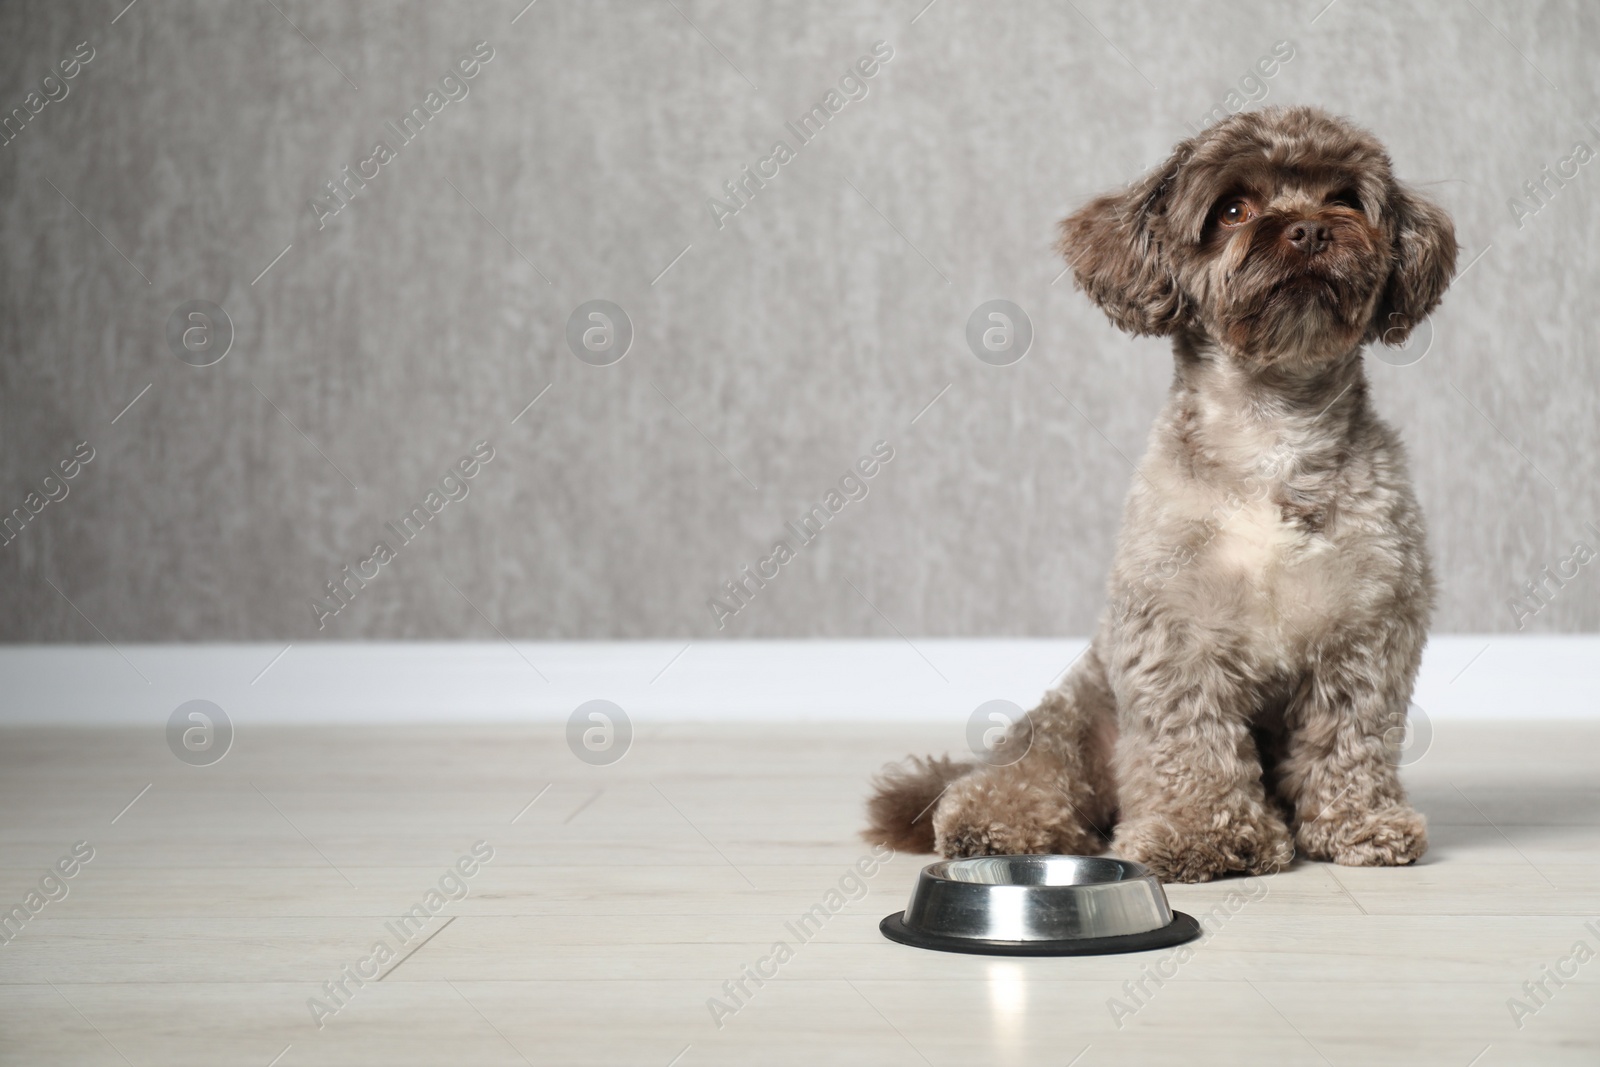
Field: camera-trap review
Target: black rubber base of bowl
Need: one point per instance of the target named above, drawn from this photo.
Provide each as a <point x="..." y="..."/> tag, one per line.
<point x="1182" y="928"/>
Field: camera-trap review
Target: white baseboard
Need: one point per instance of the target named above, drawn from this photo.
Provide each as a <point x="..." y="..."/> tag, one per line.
<point x="1463" y="677"/>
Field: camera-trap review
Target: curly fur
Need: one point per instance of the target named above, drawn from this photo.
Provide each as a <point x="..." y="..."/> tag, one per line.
<point x="1271" y="590"/>
<point x="900" y="811"/>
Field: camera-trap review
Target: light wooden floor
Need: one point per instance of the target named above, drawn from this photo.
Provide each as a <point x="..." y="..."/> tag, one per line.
<point x="625" y="896"/>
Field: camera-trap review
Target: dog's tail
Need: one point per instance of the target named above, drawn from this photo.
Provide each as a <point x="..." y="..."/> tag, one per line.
<point x="900" y="810"/>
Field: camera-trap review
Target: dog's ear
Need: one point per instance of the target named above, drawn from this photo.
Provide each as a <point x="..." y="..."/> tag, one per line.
<point x="1424" y="263"/>
<point x="1114" y="247"/>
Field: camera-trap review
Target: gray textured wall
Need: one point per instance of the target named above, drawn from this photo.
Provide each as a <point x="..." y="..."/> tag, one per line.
<point x="822" y="317"/>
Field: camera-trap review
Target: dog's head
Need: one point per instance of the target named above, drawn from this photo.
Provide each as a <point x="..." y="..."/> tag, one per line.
<point x="1279" y="234"/>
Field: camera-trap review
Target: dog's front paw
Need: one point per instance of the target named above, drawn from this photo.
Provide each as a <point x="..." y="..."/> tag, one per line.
<point x="1389" y="837"/>
<point x="1184" y="849"/>
<point x="999" y="813"/>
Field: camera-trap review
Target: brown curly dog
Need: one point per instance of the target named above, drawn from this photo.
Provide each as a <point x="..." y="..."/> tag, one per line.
<point x="1271" y="591"/>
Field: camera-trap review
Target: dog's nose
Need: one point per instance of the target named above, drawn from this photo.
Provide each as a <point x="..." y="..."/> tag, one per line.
<point x="1308" y="237"/>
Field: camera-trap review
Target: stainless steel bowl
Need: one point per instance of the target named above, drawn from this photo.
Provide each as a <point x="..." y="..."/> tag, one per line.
<point x="1038" y="906"/>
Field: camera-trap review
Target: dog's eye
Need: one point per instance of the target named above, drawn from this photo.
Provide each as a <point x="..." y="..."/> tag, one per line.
<point x="1235" y="213"/>
<point x="1346" y="198"/>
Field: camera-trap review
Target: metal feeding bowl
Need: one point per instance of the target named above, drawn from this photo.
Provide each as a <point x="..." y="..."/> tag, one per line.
<point x="1039" y="906"/>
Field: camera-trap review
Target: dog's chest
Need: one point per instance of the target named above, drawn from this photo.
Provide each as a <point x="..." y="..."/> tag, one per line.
<point x="1266" y="520"/>
<point x="1288" y="571"/>
<point x="1263" y="542"/>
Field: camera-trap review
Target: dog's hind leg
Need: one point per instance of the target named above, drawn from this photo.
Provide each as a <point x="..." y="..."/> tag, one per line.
<point x="1060" y="796"/>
